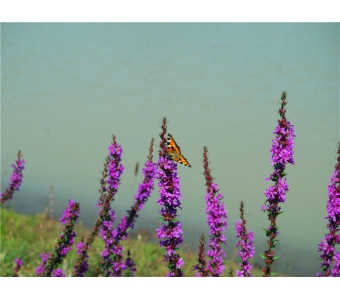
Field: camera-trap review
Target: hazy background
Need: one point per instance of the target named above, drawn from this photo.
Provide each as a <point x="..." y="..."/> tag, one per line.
<point x="67" y="87"/>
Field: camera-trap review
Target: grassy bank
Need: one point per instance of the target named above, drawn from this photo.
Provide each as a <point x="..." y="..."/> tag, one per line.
<point x="28" y="236"/>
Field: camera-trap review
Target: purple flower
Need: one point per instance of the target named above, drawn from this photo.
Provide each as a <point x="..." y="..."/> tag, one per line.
<point x="58" y="273"/>
<point x="69" y="213"/>
<point x="82" y="266"/>
<point x="336" y="268"/>
<point x="112" y="172"/>
<point x="18" y="264"/>
<point x="327" y="245"/>
<point x="15" y="180"/>
<point x="282" y="154"/>
<point x="114" y="166"/>
<point x="170" y="234"/>
<point x="217" y="222"/>
<point x="245" y="243"/>
<point x="64" y="243"/>
<point x="44" y="257"/>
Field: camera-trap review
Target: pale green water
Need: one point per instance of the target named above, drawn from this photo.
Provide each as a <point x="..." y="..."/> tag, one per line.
<point x="67" y="87"/>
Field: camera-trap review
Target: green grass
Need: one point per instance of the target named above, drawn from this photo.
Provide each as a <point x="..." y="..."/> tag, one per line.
<point x="28" y="236"/>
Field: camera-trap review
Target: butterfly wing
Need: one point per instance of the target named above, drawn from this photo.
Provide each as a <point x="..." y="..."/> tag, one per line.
<point x="174" y="152"/>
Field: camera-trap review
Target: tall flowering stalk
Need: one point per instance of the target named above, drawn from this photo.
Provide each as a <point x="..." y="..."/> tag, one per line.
<point x="170" y="234"/>
<point x="115" y="169"/>
<point x="282" y="154"/>
<point x="15" y="180"/>
<point x="201" y="267"/>
<point x="328" y="254"/>
<point x="216" y="220"/>
<point x="127" y="222"/>
<point x="245" y="243"/>
<point x="64" y="243"/>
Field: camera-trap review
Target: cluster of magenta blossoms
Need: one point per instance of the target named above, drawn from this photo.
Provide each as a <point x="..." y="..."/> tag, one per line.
<point x="245" y="242"/>
<point x="18" y="264"/>
<point x="81" y="266"/>
<point x="15" y="180"/>
<point x="327" y="250"/>
<point x="50" y="261"/>
<point x="109" y="266"/>
<point x="170" y="234"/>
<point x="216" y="220"/>
<point x="58" y="273"/>
<point x="127" y="222"/>
<point x="282" y="154"/>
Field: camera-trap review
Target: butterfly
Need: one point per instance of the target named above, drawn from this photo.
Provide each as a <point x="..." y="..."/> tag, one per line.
<point x="174" y="152"/>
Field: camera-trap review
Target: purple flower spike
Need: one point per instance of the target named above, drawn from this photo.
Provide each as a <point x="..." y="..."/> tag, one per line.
<point x="64" y="243"/>
<point x="170" y="234"/>
<point x="15" y="180"/>
<point x="201" y="267"/>
<point x="217" y="221"/>
<point x="18" y="264"/>
<point x="245" y="243"/>
<point x="282" y="154"/>
<point x="111" y="175"/>
<point x="328" y="243"/>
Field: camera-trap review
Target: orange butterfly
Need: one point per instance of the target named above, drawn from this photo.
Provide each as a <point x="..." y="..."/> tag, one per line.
<point x="174" y="152"/>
